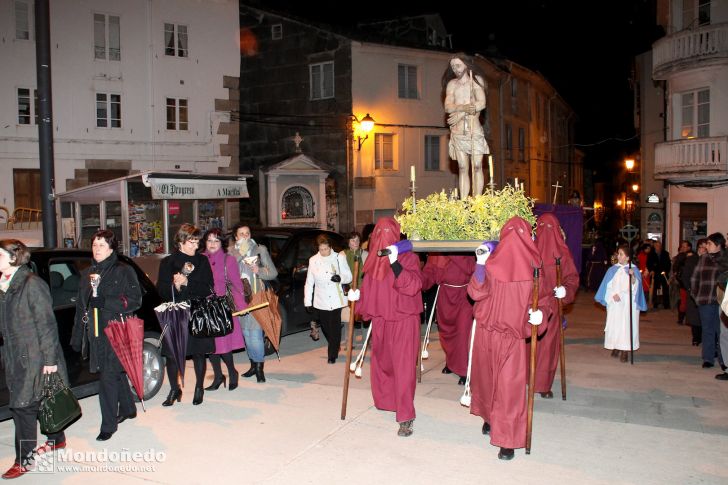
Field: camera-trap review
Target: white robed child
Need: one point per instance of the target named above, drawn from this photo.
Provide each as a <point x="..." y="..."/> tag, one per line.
<point x="613" y="294"/>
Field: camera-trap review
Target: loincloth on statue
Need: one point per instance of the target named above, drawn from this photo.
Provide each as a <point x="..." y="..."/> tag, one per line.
<point x="466" y="144"/>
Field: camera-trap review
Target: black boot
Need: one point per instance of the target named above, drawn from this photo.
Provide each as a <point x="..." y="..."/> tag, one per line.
<point x="199" y="394"/>
<point x="250" y="372"/>
<point x="174" y="395"/>
<point x="216" y="383"/>
<point x="259" y="371"/>
<point x="233" y="381"/>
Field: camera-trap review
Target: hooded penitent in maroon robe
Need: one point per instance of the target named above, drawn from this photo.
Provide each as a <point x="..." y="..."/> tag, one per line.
<point x="551" y="245"/>
<point x="502" y="299"/>
<point x="393" y="304"/>
<point x="454" y="310"/>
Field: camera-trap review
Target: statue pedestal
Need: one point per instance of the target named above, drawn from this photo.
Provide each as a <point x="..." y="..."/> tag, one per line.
<point x="455" y="246"/>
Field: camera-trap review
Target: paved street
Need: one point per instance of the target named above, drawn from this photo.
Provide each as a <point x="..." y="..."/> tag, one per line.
<point x="663" y="420"/>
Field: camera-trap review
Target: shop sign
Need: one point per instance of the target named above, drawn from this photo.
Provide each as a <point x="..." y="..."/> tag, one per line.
<point x="197" y="188"/>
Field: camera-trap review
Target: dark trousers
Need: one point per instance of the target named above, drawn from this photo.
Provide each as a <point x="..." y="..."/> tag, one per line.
<point x="115" y="399"/>
<point x="661" y="286"/>
<point x="200" y="364"/>
<point x="217" y="366"/>
<point x="330" y="321"/>
<point x="26" y="431"/>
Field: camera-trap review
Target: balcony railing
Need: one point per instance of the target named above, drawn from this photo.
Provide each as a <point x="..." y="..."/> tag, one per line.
<point x="679" y="50"/>
<point x="692" y="160"/>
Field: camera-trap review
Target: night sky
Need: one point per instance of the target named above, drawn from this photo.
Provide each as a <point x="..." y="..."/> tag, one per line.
<point x="584" y="48"/>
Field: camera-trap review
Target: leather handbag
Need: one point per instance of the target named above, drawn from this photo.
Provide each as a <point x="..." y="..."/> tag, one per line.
<point x="58" y="407"/>
<point x="210" y="317"/>
<point x="229" y="290"/>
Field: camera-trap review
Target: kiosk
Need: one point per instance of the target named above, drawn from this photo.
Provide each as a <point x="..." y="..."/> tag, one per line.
<point x="146" y="209"/>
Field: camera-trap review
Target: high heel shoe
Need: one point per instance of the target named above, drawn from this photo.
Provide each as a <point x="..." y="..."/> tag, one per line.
<point x="199" y="394"/>
<point x="216" y="384"/>
<point x="174" y="395"/>
<point x="233" y="380"/>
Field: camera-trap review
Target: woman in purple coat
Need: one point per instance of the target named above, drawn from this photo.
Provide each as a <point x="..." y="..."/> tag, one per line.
<point x="224" y="268"/>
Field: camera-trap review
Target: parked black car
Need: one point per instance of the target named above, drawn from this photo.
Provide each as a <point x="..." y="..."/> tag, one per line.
<point x="61" y="269"/>
<point x="290" y="249"/>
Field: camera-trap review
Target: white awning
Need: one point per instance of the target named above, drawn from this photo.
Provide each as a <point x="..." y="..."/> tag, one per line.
<point x="195" y="186"/>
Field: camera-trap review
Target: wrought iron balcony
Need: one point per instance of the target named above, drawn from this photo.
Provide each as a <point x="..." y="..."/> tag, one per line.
<point x="699" y="159"/>
<point x="690" y="48"/>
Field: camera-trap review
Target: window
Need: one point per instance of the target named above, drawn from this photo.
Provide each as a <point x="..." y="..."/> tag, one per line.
<point x="407" y="81"/>
<point x="509" y="141"/>
<point x="107" y="37"/>
<point x="695" y="111"/>
<point x="432" y="152"/>
<point x="521" y="144"/>
<point x="276" y="31"/>
<point x="175" y="40"/>
<point x="384" y="151"/>
<point x="27" y="111"/>
<point x="514" y="87"/>
<point x="322" y="80"/>
<point x="695" y="13"/>
<point x="177" y="114"/>
<point x="22" y="20"/>
<point x="298" y="203"/>
<point x="108" y="110"/>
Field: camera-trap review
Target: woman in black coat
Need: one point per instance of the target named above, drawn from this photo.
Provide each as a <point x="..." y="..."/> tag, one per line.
<point x="31" y="348"/>
<point x="117" y="294"/>
<point x="183" y="275"/>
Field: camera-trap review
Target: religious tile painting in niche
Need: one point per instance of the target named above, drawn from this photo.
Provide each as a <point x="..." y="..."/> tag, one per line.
<point x="298" y="203"/>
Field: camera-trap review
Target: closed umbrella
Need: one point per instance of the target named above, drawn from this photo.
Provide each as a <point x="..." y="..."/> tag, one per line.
<point x="174" y="318"/>
<point x="126" y="337"/>
<point x="269" y="318"/>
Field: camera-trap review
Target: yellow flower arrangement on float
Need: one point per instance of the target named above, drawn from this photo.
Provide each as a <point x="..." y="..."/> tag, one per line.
<point x="443" y="217"/>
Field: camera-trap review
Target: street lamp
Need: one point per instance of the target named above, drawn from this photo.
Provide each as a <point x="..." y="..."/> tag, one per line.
<point x="629" y="163"/>
<point x="366" y="124"/>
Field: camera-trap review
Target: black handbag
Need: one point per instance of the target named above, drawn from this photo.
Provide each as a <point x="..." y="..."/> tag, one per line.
<point x="58" y="407"/>
<point x="210" y="317"/>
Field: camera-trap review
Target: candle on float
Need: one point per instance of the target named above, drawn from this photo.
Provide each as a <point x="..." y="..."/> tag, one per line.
<point x="516" y="184"/>
<point x="490" y="167"/>
<point x="521" y="186"/>
<point x="412" y="173"/>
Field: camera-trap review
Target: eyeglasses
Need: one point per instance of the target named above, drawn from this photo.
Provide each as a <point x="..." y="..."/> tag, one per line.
<point x="192" y="241"/>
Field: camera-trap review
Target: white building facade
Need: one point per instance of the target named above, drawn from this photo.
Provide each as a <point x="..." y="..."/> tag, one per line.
<point x="137" y="85"/>
<point x="692" y="63"/>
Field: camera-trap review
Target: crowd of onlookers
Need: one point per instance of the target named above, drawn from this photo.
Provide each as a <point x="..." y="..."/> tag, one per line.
<point x="692" y="282"/>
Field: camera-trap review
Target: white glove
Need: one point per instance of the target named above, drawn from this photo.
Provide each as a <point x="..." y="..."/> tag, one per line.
<point x="482" y="253"/>
<point x="392" y="253"/>
<point x="353" y="295"/>
<point x="559" y="292"/>
<point x="535" y="318"/>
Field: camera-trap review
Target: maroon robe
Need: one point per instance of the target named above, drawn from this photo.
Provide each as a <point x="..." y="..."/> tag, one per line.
<point x="502" y="300"/>
<point x="454" y="310"/>
<point x="551" y="245"/>
<point x="393" y="304"/>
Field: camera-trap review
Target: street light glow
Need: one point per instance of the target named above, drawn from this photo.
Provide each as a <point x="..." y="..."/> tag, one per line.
<point x="629" y="163"/>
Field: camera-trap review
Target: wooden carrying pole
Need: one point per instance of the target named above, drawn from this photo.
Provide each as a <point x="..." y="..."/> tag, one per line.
<point x="349" y="340"/>
<point x="562" y="352"/>
<point x="532" y="374"/>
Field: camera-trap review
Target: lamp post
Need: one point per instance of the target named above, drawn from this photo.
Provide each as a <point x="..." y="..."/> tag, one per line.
<point x="360" y="133"/>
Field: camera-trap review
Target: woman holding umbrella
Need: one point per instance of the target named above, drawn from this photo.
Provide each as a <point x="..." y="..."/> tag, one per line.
<point x="256" y="267"/>
<point x="224" y="272"/>
<point x="183" y="275"/>
<point x="108" y="288"/>
<point x="31" y="348"/>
